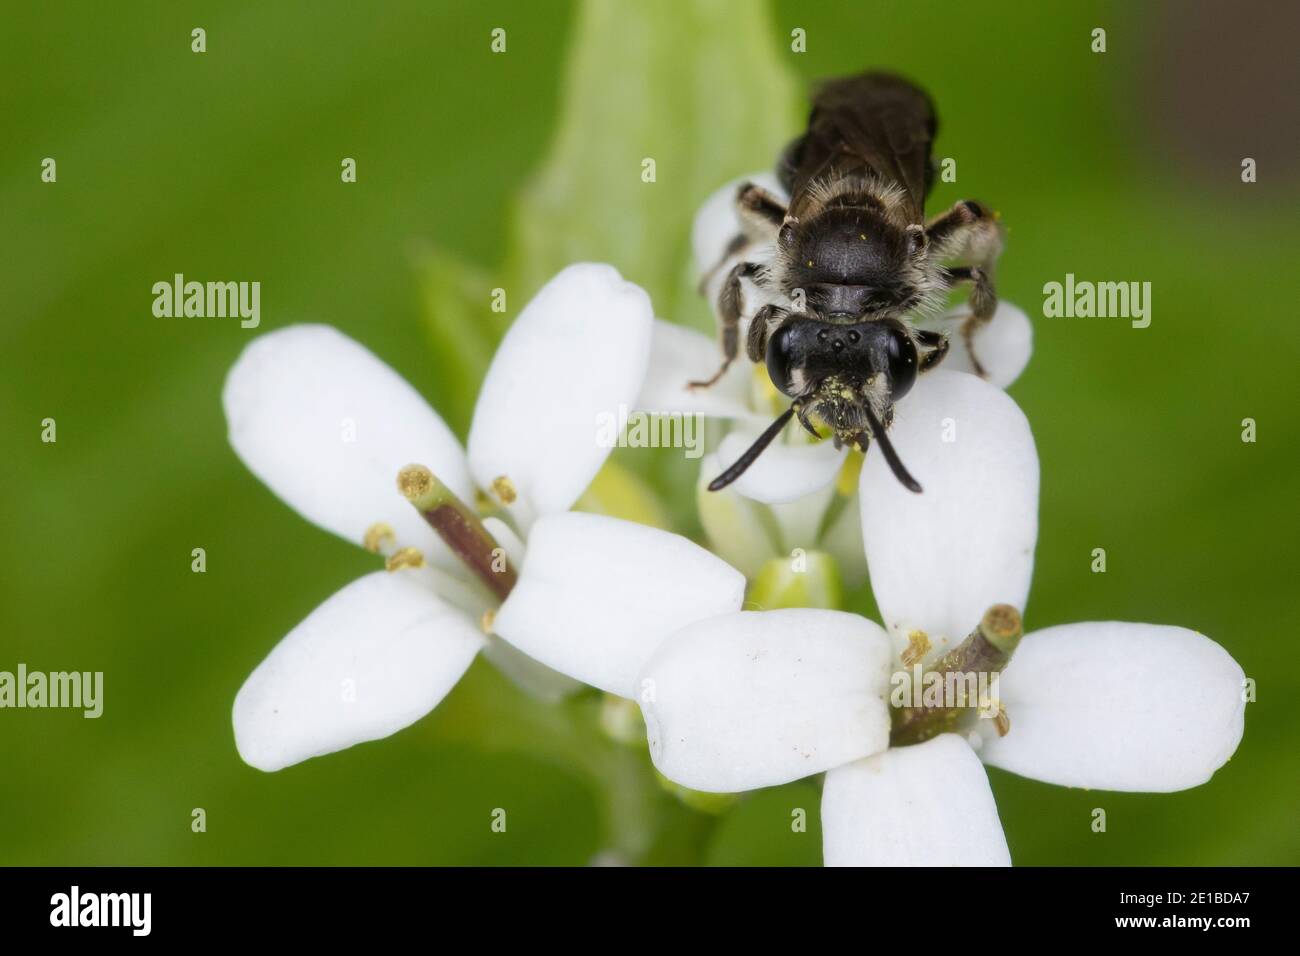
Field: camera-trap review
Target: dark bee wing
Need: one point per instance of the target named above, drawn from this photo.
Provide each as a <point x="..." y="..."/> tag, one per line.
<point x="873" y="123"/>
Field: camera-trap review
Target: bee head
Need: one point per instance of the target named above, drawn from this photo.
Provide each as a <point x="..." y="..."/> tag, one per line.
<point x="844" y="364"/>
<point x="847" y="374"/>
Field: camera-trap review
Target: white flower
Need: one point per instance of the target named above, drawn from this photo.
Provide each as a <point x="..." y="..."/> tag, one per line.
<point x="327" y="426"/>
<point x="755" y="699"/>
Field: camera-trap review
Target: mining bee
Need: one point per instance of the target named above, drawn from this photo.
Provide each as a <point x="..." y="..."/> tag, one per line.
<point x="853" y="260"/>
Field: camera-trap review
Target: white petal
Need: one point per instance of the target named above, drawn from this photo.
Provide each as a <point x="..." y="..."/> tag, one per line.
<point x="534" y="679"/>
<point x="739" y="530"/>
<point x="1115" y="706"/>
<point x="455" y="586"/>
<point x="801" y="520"/>
<point x="524" y="672"/>
<point x="1003" y="345"/>
<point x="327" y="426"/>
<point x="576" y="355"/>
<point x="679" y="355"/>
<point x="785" y="471"/>
<point x="597" y="595"/>
<point x="927" y="805"/>
<point x="374" y="658"/>
<point x="761" y="698"/>
<point x="505" y="537"/>
<point x="939" y="559"/>
<point x="716" y="223"/>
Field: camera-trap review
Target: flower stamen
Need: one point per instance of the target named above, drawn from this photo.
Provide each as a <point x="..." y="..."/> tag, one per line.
<point x="459" y="527"/>
<point x="1002" y="722"/>
<point x="379" y="538"/>
<point x="918" y="645"/>
<point x="404" y="558"/>
<point x="505" y="489"/>
<point x="981" y="656"/>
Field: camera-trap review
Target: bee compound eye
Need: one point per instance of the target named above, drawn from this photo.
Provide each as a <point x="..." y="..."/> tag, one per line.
<point x="781" y="357"/>
<point x="901" y="351"/>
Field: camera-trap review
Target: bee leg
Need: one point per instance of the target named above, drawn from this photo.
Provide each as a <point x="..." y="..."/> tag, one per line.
<point x="801" y="411"/>
<point x="729" y="309"/>
<point x="760" y="214"/>
<point x="760" y="328"/>
<point x="739" y="243"/>
<point x="760" y="211"/>
<point x="969" y="230"/>
<point x="938" y="344"/>
<point x="983" y="303"/>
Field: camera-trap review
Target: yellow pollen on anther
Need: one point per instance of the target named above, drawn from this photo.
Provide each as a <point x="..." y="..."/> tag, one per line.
<point x="1002" y="621"/>
<point x="1002" y="722"/>
<point x="918" y="645"/>
<point x="488" y="621"/>
<point x="505" y="489"/>
<point x="404" y="558"/>
<point x="414" y="481"/>
<point x="376" y="535"/>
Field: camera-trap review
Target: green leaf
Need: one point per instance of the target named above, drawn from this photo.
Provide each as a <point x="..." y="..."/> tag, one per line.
<point x="778" y="826"/>
<point x="696" y="86"/>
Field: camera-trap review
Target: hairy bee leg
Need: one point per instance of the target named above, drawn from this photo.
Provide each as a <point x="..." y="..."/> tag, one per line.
<point x="969" y="230"/>
<point x="760" y="329"/>
<point x="729" y="309"/>
<point x="938" y="345"/>
<point x="739" y="243"/>
<point x="760" y="211"/>
<point x="760" y="214"/>
<point x="983" y="303"/>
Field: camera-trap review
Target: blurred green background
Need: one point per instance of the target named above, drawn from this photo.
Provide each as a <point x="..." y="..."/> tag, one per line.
<point x="1116" y="166"/>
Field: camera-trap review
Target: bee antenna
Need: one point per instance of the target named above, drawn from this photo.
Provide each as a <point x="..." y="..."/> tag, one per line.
<point x="744" y="461"/>
<point x="891" y="456"/>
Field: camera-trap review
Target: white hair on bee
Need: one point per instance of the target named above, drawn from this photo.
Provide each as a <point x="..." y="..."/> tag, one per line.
<point x="834" y="188"/>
